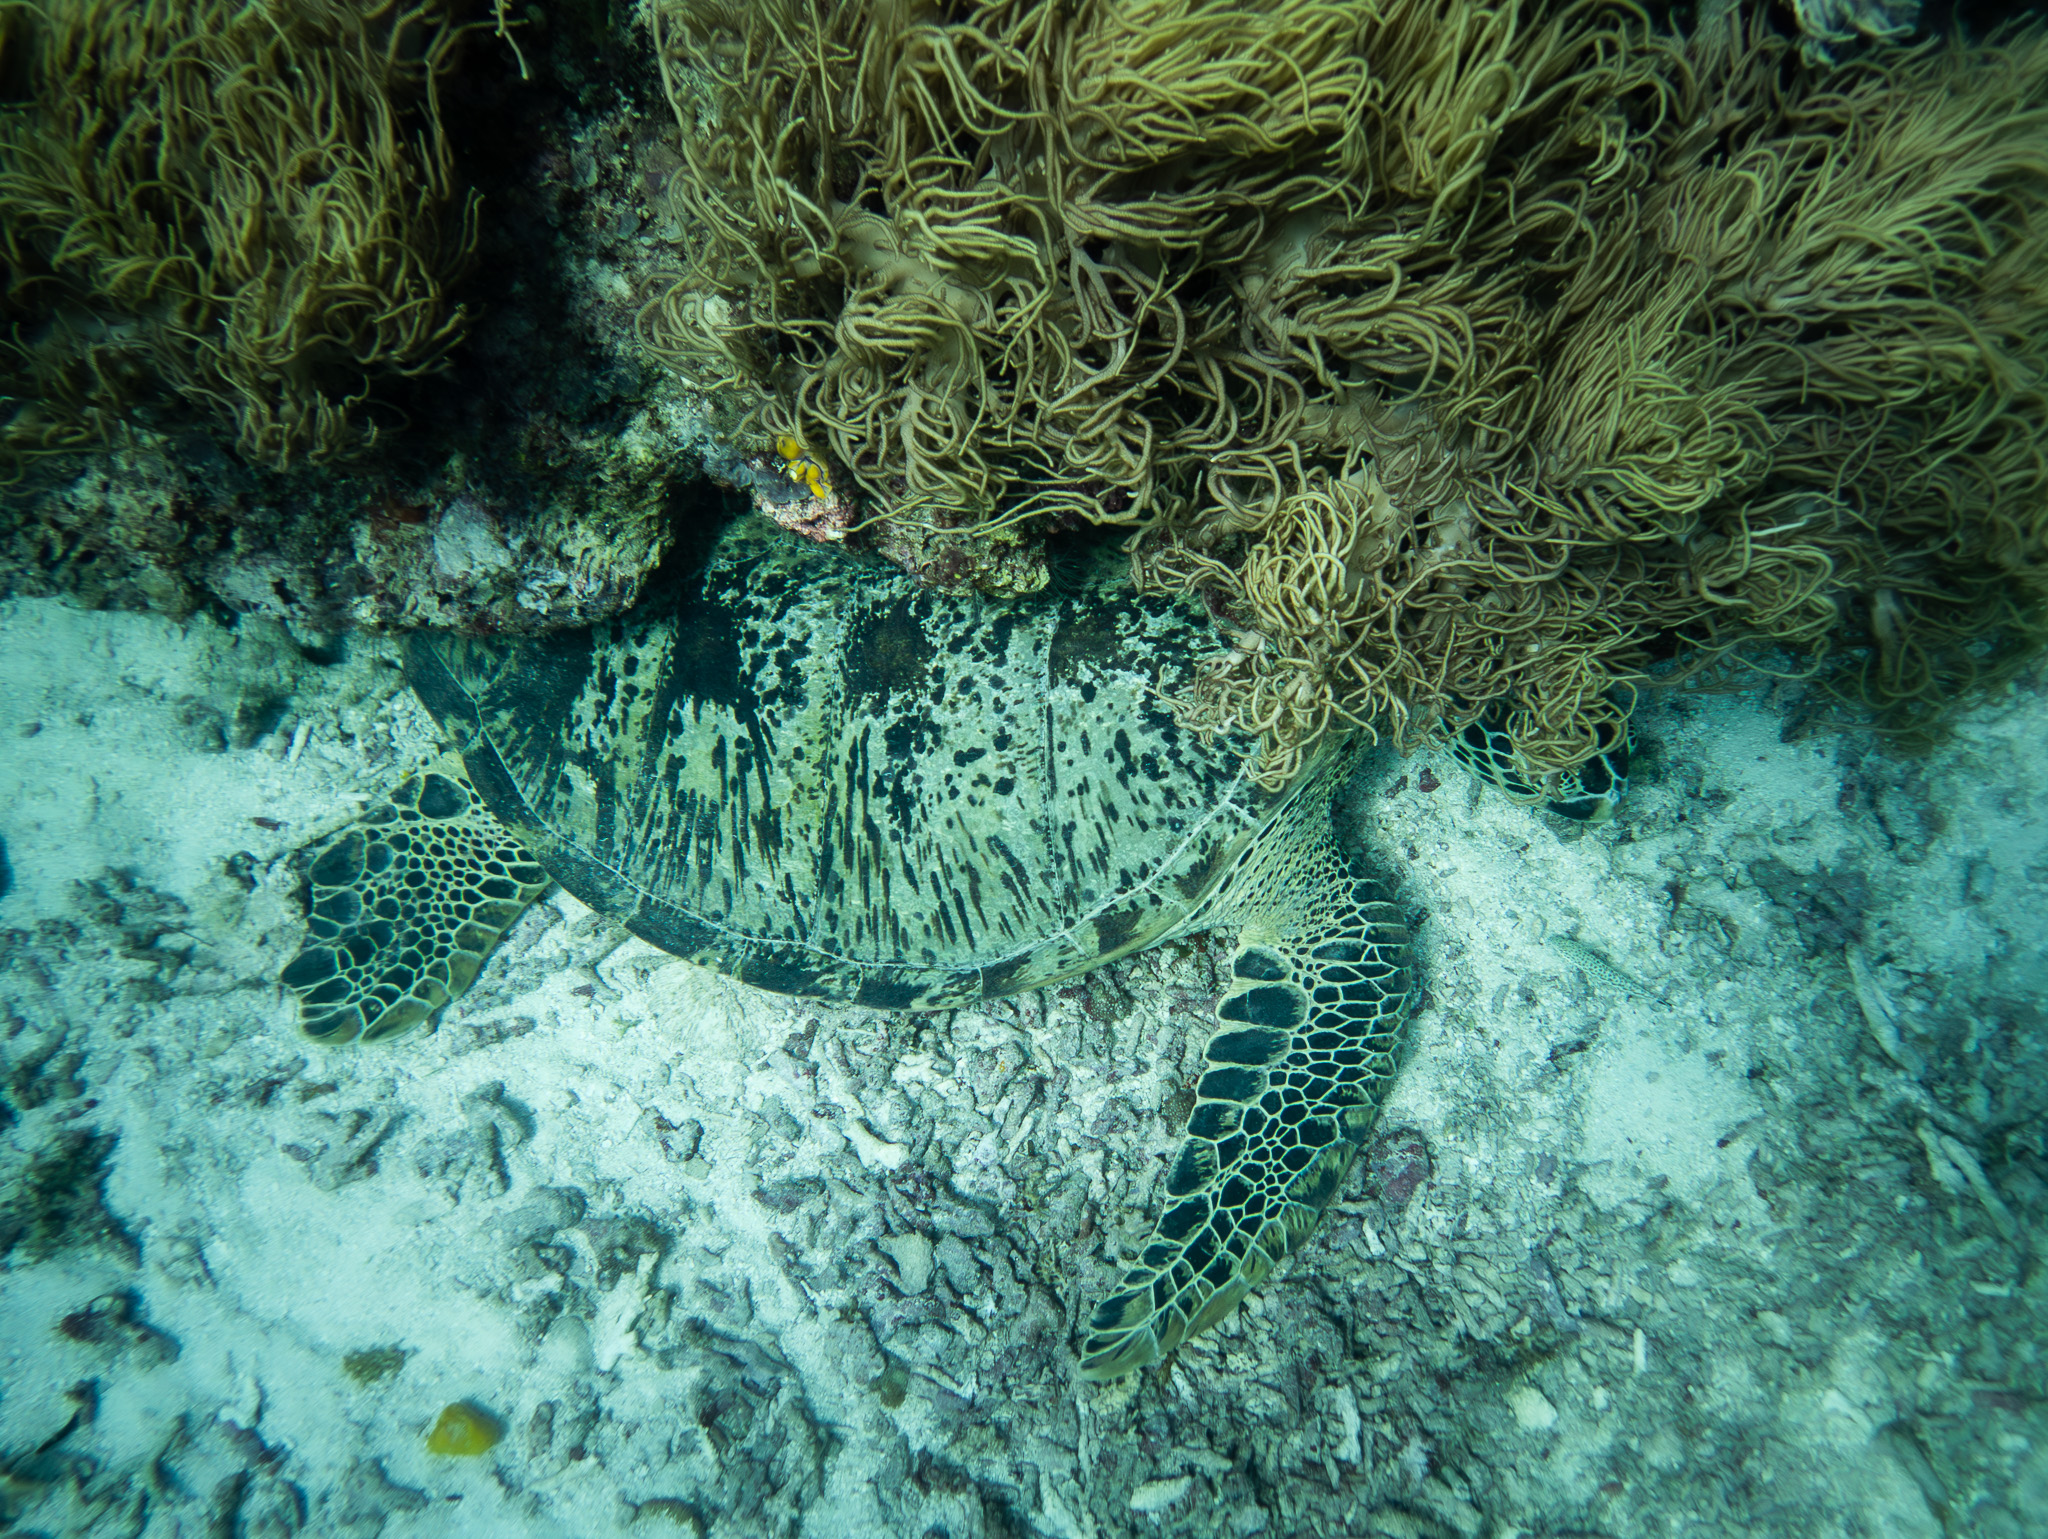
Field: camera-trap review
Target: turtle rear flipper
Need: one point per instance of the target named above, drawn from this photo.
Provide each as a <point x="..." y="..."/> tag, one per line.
<point x="1311" y="1031"/>
<point x="404" y="906"/>
<point x="1588" y="794"/>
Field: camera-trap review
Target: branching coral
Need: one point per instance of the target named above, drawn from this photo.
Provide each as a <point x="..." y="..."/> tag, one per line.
<point x="1466" y="356"/>
<point x="249" y="207"/>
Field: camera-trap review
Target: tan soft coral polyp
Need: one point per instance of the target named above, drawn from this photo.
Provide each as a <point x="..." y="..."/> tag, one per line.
<point x="246" y="209"/>
<point x="1500" y="356"/>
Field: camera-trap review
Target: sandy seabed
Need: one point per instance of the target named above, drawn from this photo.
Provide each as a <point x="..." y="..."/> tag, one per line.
<point x="1752" y="1247"/>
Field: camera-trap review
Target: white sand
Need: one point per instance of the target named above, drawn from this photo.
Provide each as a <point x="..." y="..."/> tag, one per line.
<point x="723" y="1262"/>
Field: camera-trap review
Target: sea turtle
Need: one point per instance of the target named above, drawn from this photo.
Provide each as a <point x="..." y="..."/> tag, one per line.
<point x="804" y="769"/>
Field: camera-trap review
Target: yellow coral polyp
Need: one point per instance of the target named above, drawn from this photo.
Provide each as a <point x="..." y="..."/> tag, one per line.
<point x="802" y="469"/>
<point x="465" y="1430"/>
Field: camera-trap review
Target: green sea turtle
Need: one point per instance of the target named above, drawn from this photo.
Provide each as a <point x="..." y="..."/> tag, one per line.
<point x="803" y="769"/>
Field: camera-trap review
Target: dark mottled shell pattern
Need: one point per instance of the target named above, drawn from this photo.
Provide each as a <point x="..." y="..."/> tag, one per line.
<point x="806" y="770"/>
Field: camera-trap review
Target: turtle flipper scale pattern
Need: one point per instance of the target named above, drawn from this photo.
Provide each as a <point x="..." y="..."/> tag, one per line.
<point x="1588" y="794"/>
<point x="404" y="906"/>
<point x="1311" y="1033"/>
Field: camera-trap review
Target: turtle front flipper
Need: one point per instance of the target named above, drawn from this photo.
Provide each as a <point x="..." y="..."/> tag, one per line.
<point x="403" y="907"/>
<point x="1311" y="1031"/>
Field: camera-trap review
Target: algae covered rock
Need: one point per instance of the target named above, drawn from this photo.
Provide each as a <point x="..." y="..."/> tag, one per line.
<point x="507" y="464"/>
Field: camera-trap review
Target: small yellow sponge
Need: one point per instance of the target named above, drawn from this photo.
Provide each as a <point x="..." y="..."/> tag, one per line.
<point x="802" y="469"/>
<point x="465" y="1430"/>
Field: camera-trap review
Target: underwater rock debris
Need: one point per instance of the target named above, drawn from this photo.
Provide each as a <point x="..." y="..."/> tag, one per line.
<point x="532" y="485"/>
<point x="1534" y="392"/>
